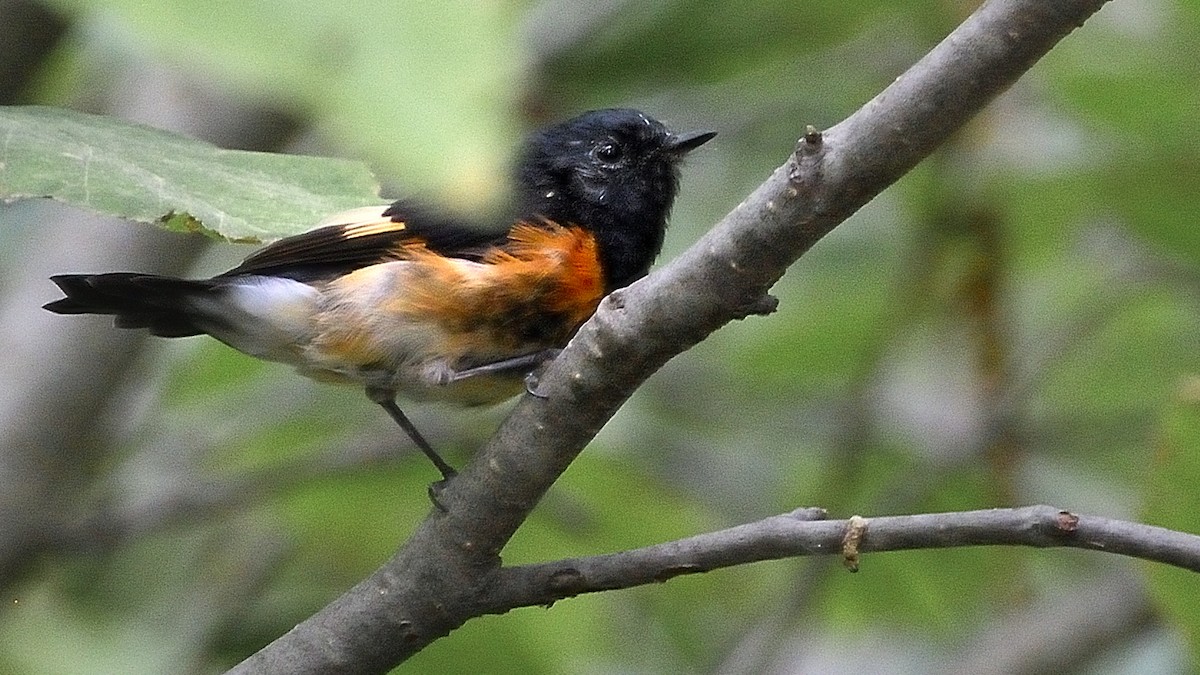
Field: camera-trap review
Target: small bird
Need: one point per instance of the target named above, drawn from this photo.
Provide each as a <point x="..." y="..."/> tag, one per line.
<point x="407" y="302"/>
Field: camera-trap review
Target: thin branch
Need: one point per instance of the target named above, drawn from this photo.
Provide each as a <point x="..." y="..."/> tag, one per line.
<point x="804" y="533"/>
<point x="440" y="578"/>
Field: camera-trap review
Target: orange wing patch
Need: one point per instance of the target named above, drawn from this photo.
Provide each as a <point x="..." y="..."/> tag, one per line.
<point x="357" y="216"/>
<point x="368" y="229"/>
<point x="357" y="237"/>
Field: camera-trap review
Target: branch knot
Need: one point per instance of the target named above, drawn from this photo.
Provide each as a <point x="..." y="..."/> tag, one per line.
<point x="566" y="582"/>
<point x="804" y="167"/>
<point x="856" y="529"/>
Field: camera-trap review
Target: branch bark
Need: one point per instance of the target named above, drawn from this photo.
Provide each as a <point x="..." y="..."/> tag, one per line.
<point x="446" y="572"/>
<point x="804" y="532"/>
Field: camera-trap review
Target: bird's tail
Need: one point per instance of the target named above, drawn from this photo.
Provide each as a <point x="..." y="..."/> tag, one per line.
<point x="136" y="300"/>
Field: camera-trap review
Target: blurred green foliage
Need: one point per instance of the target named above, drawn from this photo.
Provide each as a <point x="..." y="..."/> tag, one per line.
<point x="425" y="91"/>
<point x="1014" y="322"/>
<point x="1173" y="501"/>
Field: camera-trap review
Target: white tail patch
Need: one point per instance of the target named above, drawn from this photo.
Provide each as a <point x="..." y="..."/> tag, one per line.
<point x="267" y="317"/>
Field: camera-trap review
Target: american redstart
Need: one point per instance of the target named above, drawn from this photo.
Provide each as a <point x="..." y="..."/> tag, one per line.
<point x="407" y="302"/>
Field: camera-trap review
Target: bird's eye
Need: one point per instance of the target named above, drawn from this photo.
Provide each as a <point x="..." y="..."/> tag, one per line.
<point x="608" y="152"/>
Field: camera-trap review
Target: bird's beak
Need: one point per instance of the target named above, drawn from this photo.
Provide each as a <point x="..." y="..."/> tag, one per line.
<point x="681" y="145"/>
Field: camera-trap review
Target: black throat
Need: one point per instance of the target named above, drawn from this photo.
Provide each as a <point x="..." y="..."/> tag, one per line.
<point x="628" y="237"/>
<point x="612" y="172"/>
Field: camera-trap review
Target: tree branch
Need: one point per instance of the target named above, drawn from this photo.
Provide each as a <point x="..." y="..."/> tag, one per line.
<point x="804" y="532"/>
<point x="442" y="576"/>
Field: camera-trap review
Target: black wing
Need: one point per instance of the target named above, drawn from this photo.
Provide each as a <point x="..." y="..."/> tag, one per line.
<point x="347" y="241"/>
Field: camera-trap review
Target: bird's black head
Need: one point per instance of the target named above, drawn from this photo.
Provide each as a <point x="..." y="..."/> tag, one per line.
<point x="614" y="172"/>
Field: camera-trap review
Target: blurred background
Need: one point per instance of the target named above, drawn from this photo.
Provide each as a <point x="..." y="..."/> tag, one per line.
<point x="1017" y="321"/>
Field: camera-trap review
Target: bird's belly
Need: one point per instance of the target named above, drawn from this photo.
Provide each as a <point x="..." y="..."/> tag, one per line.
<point x="422" y="382"/>
<point x="474" y="391"/>
<point x="413" y="327"/>
<point x="416" y="360"/>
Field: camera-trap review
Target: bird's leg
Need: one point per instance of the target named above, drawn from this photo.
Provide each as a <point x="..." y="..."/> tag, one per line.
<point x="448" y="472"/>
<point x="387" y="401"/>
<point x="390" y="406"/>
<point x="517" y="365"/>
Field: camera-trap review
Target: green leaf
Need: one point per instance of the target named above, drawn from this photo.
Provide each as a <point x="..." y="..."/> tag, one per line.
<point x="135" y="172"/>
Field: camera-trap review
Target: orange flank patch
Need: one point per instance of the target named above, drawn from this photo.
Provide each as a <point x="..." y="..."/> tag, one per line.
<point x="572" y="253"/>
<point x="530" y="293"/>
